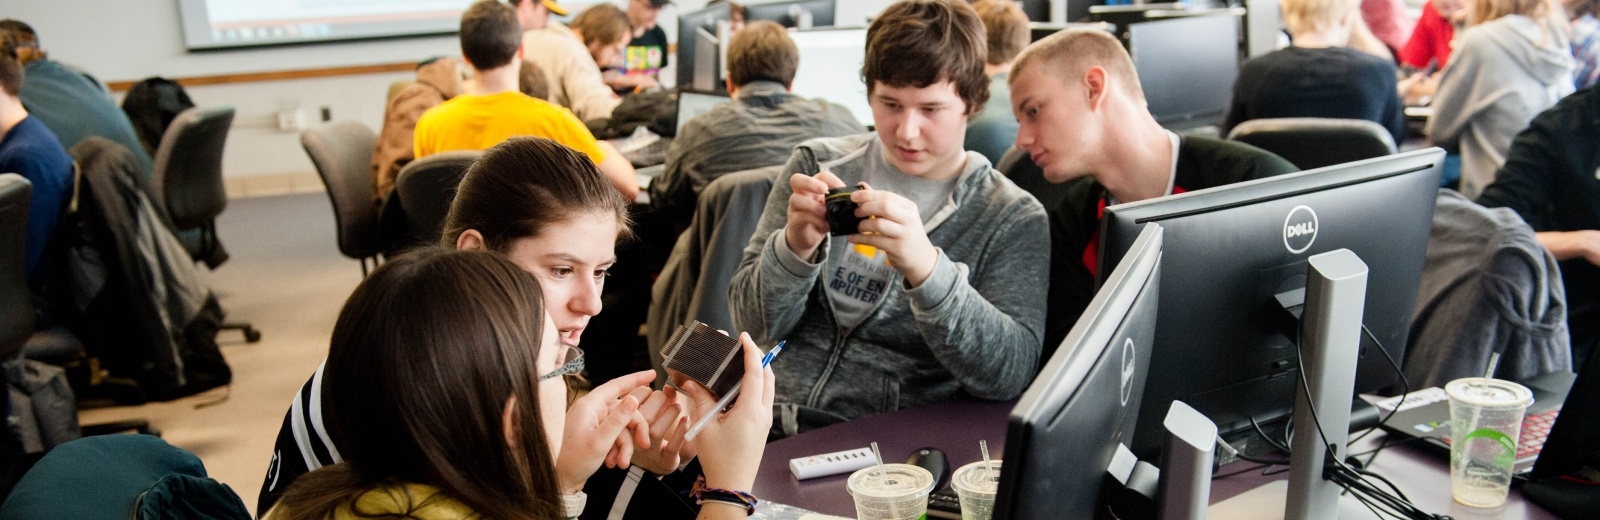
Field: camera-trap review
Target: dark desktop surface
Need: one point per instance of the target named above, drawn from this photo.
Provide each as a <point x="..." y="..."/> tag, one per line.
<point x="957" y="427"/>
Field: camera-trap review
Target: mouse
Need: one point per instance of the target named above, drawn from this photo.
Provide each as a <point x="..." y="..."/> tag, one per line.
<point x="935" y="461"/>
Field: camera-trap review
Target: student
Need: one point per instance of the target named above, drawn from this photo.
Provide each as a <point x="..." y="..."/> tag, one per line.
<point x="438" y="79"/>
<point x="575" y="81"/>
<point x="1388" y="22"/>
<point x="1084" y="121"/>
<point x="66" y="100"/>
<point x="1429" y="48"/>
<point x="1511" y="63"/>
<point x="1318" y="76"/>
<point x="492" y="109"/>
<point x="447" y="402"/>
<point x="28" y="148"/>
<point x="1550" y="179"/>
<point x="938" y="296"/>
<point x="759" y="127"/>
<point x="604" y="31"/>
<point x="541" y="205"/>
<point x="647" y="51"/>
<point x="993" y="131"/>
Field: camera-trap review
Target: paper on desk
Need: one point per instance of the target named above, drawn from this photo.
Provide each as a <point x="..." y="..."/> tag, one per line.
<point x="1415" y="399"/>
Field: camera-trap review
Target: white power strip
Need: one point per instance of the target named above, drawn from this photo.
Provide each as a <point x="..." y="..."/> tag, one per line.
<point x="830" y="463"/>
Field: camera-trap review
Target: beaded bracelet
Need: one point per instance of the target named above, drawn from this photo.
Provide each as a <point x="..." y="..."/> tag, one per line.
<point x="701" y="494"/>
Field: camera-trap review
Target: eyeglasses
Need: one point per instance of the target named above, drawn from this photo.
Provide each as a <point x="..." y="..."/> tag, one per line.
<point x="571" y="362"/>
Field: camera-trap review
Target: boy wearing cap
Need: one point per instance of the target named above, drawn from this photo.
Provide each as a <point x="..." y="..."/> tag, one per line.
<point x="574" y="78"/>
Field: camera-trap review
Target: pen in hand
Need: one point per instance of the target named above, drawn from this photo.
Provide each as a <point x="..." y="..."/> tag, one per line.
<point x="723" y="403"/>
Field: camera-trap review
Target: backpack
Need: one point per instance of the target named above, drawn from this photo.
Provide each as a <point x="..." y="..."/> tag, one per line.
<point x="151" y="105"/>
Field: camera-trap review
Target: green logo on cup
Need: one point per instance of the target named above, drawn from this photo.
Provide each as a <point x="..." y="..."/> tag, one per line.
<point x="1508" y="452"/>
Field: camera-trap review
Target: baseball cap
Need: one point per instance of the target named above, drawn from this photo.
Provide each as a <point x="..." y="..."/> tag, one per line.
<point x="554" y="7"/>
<point x="660" y="3"/>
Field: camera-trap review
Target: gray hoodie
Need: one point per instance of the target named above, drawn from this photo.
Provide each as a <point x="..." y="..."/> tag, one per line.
<point x="973" y="328"/>
<point x="1503" y="73"/>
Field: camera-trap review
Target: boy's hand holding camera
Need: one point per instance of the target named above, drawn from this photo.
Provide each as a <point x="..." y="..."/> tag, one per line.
<point x="888" y="221"/>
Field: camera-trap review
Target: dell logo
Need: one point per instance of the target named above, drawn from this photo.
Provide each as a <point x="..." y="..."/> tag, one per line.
<point x="1127" y="370"/>
<point x="1300" y="229"/>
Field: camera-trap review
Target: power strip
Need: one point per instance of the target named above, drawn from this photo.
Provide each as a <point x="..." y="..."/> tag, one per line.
<point x="830" y="463"/>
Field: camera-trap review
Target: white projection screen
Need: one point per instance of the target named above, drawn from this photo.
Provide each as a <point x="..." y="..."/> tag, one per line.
<point x="220" y="24"/>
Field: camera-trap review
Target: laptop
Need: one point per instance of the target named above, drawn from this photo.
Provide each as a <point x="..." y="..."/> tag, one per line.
<point x="1425" y="416"/>
<point x="691" y="104"/>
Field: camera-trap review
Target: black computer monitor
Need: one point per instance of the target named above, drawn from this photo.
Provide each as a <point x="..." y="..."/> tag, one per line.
<point x="1236" y="254"/>
<point x="787" y="14"/>
<point x="1067" y="426"/>
<point x="1186" y="66"/>
<point x="687" y="23"/>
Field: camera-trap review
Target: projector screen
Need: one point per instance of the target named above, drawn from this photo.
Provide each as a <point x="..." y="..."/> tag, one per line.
<point x="217" y="24"/>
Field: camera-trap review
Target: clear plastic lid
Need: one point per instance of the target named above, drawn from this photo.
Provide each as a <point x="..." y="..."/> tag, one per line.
<point x="977" y="478"/>
<point x="1486" y="392"/>
<point x="894" y="481"/>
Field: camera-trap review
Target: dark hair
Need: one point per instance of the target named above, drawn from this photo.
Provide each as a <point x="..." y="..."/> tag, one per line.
<point x="916" y="43"/>
<point x="532" y="81"/>
<point x="10" y="66"/>
<point x="423" y="359"/>
<point x="604" y="23"/>
<point x="22" y="33"/>
<point x="490" y="34"/>
<point x="762" y="51"/>
<point x="1577" y="8"/>
<point x="523" y="185"/>
<point x="1006" y="27"/>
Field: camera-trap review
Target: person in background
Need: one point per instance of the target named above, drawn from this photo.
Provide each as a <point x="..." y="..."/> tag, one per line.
<point x="1512" y="62"/>
<point x="30" y="149"/>
<point x="604" y="31"/>
<point x="937" y="296"/>
<point x="575" y="81"/>
<point x="1550" y="179"/>
<point x="994" y="130"/>
<point x="1318" y="76"/>
<point x="438" y="80"/>
<point x="1388" y="22"/>
<point x="1585" y="42"/>
<point x="1083" y="120"/>
<point x="759" y="127"/>
<point x="531" y="81"/>
<point x="492" y="109"/>
<point x="646" y="53"/>
<point x="737" y="14"/>
<point x="1429" y="48"/>
<point x="66" y="101"/>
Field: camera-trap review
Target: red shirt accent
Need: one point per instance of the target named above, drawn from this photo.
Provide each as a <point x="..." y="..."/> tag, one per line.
<point x="1091" y="254"/>
<point x="1430" y="41"/>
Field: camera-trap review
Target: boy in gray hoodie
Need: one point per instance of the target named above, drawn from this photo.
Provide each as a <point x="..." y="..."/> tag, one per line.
<point x="941" y="293"/>
<point x="1512" y="63"/>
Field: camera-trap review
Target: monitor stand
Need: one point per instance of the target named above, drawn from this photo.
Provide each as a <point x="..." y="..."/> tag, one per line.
<point x="1336" y="289"/>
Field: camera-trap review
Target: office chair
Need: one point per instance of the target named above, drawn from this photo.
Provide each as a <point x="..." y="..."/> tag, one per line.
<point x="188" y="184"/>
<point x="55" y="346"/>
<point x="1018" y="166"/>
<point x="342" y="153"/>
<point x="424" y="190"/>
<point x="1314" y="142"/>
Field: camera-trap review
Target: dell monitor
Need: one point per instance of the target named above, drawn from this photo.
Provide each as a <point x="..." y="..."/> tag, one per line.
<point x="1066" y="428"/>
<point x="802" y="14"/>
<point x="1187" y="67"/>
<point x="1236" y="257"/>
<point x="687" y="24"/>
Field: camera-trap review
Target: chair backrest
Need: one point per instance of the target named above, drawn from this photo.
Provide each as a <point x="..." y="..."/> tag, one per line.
<point x="1018" y="166"/>
<point x="1314" y="142"/>
<point x="425" y="189"/>
<point x="188" y="166"/>
<point x="16" y="323"/>
<point x="342" y="153"/>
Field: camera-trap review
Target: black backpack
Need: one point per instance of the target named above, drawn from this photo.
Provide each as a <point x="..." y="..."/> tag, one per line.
<point x="151" y="105"/>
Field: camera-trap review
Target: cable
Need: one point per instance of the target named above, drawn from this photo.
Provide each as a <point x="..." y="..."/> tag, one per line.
<point x="1268" y="438"/>
<point x="1405" y="386"/>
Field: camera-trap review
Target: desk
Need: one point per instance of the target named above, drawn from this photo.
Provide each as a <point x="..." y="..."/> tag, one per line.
<point x="957" y="427"/>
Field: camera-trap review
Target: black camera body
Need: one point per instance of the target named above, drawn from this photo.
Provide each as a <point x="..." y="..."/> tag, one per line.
<point x="842" y="219"/>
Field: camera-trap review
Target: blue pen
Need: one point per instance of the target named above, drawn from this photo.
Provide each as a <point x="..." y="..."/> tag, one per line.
<point x="723" y="403"/>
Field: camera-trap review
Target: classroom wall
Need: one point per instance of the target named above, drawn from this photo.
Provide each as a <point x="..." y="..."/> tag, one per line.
<point x="133" y="39"/>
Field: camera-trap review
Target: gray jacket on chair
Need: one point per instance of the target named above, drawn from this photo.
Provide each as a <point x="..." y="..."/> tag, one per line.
<point x="1488" y="287"/>
<point x="973" y="328"/>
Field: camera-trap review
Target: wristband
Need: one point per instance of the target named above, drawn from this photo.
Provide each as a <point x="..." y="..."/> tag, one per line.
<point x="701" y="494"/>
<point x="572" y="505"/>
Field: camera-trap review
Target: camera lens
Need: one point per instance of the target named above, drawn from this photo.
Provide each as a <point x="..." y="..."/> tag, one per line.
<point x="842" y="219"/>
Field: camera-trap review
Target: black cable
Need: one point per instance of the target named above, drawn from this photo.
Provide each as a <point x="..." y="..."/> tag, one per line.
<point x="1405" y="388"/>
<point x="1268" y="438"/>
<point x="1240" y="472"/>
